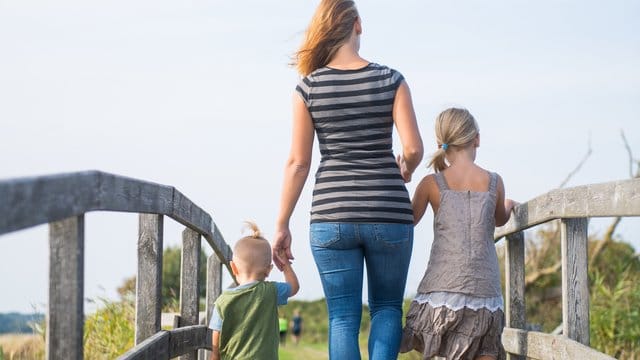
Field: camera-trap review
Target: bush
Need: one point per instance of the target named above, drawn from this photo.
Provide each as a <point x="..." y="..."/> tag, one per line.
<point x="615" y="317"/>
<point x="109" y="332"/>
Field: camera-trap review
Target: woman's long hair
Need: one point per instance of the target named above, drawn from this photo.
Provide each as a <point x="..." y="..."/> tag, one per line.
<point x="329" y="29"/>
<point x="454" y="127"/>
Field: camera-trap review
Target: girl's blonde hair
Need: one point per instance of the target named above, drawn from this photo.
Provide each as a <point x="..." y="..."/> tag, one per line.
<point x="454" y="127"/>
<point x="329" y="29"/>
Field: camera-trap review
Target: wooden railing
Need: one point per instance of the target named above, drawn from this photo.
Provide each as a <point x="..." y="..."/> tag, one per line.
<point x="62" y="200"/>
<point x="573" y="207"/>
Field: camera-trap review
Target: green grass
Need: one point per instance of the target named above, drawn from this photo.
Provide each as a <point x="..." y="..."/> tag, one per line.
<point x="318" y="351"/>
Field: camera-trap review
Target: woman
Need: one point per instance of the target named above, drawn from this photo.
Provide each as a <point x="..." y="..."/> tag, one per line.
<point x="361" y="211"/>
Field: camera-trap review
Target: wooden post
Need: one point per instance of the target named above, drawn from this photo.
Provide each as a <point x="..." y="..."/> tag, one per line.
<point x="575" y="280"/>
<point x="65" y="317"/>
<point x="189" y="269"/>
<point x="149" y="279"/>
<point x="214" y="289"/>
<point x="515" y="311"/>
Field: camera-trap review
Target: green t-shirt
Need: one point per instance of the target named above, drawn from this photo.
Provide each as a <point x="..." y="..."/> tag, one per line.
<point x="283" y="324"/>
<point x="249" y="323"/>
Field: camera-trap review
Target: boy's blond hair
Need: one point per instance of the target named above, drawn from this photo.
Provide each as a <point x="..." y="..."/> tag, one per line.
<point x="253" y="252"/>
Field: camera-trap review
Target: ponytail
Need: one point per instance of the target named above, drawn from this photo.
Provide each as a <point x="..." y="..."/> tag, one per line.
<point x="437" y="161"/>
<point x="255" y="231"/>
<point x="454" y="127"/>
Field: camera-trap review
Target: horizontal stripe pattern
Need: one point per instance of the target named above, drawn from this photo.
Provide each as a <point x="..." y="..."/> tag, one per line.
<point x="358" y="179"/>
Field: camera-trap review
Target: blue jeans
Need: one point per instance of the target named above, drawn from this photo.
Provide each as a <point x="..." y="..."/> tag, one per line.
<point x="340" y="250"/>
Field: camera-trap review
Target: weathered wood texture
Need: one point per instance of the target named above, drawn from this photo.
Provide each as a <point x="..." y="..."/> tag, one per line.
<point x="149" y="278"/>
<point x="214" y="283"/>
<point x="170" y="344"/>
<point x="189" y="339"/>
<point x="575" y="281"/>
<point x="536" y="345"/>
<point x="214" y="289"/>
<point x="514" y="280"/>
<point x="65" y="316"/>
<point x="28" y="202"/>
<point x="616" y="198"/>
<point x="189" y="282"/>
<point x="62" y="200"/>
<point x="153" y="348"/>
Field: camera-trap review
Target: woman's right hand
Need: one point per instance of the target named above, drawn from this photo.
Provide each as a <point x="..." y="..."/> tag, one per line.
<point x="281" y="247"/>
<point x="404" y="170"/>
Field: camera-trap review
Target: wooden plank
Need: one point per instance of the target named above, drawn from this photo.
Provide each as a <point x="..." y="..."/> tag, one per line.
<point x="214" y="289"/>
<point x="616" y="198"/>
<point x="575" y="280"/>
<point x="219" y="246"/>
<point x="189" y="269"/>
<point x="515" y="310"/>
<point x="149" y="279"/>
<point x="536" y="345"/>
<point x="27" y="202"/>
<point x="214" y="283"/>
<point x="121" y="193"/>
<point x="154" y="348"/>
<point x="65" y="316"/>
<point x="31" y="201"/>
<point x="189" y="339"/>
<point x="189" y="214"/>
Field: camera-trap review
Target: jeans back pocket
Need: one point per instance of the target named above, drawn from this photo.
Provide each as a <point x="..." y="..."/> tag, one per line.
<point x="393" y="235"/>
<point x="324" y="234"/>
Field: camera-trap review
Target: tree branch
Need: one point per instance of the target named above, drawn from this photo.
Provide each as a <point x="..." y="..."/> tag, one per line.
<point x="631" y="159"/>
<point x="531" y="278"/>
<point x="577" y="168"/>
<point x="606" y="239"/>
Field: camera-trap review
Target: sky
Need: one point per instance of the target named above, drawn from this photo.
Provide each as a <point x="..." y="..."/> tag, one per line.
<point x="197" y="94"/>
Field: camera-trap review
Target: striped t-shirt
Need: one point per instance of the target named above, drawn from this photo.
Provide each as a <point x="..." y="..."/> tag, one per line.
<point x="358" y="179"/>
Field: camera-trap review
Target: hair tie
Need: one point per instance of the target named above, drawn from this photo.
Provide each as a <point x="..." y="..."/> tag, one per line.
<point x="445" y="146"/>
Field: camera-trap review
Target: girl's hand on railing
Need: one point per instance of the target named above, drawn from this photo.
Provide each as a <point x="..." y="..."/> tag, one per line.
<point x="281" y="247"/>
<point x="509" y="204"/>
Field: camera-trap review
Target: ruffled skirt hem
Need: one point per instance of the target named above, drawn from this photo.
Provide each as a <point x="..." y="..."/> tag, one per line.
<point x="453" y="334"/>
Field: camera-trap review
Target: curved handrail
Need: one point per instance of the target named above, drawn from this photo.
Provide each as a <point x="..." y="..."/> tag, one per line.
<point x="168" y="344"/>
<point x="573" y="206"/>
<point x="537" y="345"/>
<point x="31" y="201"/>
<point x="616" y="198"/>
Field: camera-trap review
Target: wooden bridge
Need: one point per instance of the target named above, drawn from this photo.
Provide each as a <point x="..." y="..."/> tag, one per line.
<point x="62" y="200"/>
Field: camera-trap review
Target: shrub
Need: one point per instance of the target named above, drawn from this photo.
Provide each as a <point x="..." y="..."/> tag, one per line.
<point x="109" y="332"/>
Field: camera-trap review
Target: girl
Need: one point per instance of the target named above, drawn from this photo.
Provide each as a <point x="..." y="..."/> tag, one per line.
<point x="458" y="311"/>
<point x="361" y="212"/>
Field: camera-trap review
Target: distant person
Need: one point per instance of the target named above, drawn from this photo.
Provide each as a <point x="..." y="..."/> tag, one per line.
<point x="296" y="326"/>
<point x="361" y="211"/>
<point x="245" y="318"/>
<point x="458" y="311"/>
<point x="283" y="325"/>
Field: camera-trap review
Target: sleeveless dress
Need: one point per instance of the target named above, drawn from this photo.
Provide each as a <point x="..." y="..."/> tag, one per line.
<point x="458" y="312"/>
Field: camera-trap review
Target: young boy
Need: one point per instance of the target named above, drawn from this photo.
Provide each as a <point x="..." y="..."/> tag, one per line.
<point x="245" y="318"/>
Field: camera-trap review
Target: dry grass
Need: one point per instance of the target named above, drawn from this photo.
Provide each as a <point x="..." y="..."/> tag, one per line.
<point x="21" y="346"/>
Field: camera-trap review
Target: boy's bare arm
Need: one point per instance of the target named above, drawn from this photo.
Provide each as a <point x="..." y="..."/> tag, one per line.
<point x="215" y="343"/>
<point x="291" y="278"/>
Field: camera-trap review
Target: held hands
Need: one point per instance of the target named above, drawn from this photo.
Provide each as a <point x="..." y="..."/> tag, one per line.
<point x="281" y="247"/>
<point x="404" y="171"/>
